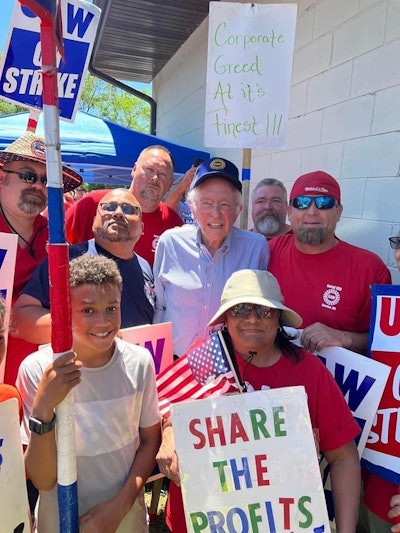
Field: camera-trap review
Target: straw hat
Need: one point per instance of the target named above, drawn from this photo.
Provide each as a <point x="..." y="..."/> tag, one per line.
<point x="255" y="287"/>
<point x="32" y="148"/>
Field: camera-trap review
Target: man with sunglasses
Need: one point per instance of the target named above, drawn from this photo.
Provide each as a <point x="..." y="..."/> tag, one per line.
<point x="324" y="279"/>
<point x="117" y="227"/>
<point x="152" y="176"/>
<point x="23" y="197"/>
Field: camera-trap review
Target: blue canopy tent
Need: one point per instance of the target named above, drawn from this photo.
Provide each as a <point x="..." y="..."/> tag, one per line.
<point x="100" y="150"/>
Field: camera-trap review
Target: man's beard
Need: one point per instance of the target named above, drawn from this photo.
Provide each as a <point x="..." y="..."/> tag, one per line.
<point x="121" y="235"/>
<point x="314" y="237"/>
<point x="150" y="195"/>
<point x="32" y="204"/>
<point x="268" y="225"/>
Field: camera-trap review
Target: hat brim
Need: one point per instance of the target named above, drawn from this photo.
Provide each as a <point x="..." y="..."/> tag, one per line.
<point x="71" y="179"/>
<point x="288" y="316"/>
<point x="216" y="174"/>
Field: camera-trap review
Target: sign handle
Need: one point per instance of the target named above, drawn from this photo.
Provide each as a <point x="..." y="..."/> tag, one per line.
<point x="246" y="171"/>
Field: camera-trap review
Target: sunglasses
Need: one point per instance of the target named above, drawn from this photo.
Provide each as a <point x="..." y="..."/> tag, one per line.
<point x="244" y="310"/>
<point x="127" y="209"/>
<point x="27" y="176"/>
<point x="395" y="242"/>
<point x="321" y="202"/>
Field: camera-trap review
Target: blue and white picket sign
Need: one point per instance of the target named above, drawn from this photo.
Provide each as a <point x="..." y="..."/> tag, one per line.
<point x="14" y="507"/>
<point x="8" y="256"/>
<point x="20" y="68"/>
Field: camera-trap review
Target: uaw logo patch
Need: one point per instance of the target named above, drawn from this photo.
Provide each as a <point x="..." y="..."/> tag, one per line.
<point x="38" y="149"/>
<point x="331" y="297"/>
<point x="217" y="164"/>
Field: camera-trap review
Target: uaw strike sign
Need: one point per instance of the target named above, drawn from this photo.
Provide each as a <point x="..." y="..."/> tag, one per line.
<point x="14" y="507"/>
<point x="20" y="69"/>
<point x="8" y="256"/>
<point x="382" y="451"/>
<point x="248" y="463"/>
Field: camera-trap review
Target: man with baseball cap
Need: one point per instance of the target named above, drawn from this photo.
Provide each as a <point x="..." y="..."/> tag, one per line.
<point x="23" y="196"/>
<point x="193" y="262"/>
<point x="324" y="279"/>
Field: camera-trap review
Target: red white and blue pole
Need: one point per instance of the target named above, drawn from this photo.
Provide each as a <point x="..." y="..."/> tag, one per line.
<point x="61" y="339"/>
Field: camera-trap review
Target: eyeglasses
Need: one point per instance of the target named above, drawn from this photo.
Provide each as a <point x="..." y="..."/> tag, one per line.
<point x="127" y="209"/>
<point x="321" y="202"/>
<point x="27" y="176"/>
<point x="223" y="207"/>
<point x="244" y="310"/>
<point x="395" y="242"/>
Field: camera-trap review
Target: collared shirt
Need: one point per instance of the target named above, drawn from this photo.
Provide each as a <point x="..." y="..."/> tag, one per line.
<point x="137" y="298"/>
<point x="189" y="280"/>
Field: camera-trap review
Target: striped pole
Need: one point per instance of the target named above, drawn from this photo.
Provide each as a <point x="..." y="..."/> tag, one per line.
<point x="61" y="338"/>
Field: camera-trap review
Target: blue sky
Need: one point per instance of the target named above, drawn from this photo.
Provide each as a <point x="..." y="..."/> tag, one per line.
<point x="6" y="10"/>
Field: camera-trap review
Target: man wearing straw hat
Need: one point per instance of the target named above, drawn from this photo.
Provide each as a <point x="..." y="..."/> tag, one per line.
<point x="23" y="196"/>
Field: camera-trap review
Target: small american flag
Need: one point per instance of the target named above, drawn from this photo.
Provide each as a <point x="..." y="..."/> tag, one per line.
<point x="202" y="372"/>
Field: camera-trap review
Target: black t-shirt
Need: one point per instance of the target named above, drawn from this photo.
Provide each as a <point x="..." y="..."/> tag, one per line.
<point x="137" y="298"/>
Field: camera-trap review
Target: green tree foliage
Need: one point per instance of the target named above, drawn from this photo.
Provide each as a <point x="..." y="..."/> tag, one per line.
<point x="8" y="109"/>
<point x="107" y="101"/>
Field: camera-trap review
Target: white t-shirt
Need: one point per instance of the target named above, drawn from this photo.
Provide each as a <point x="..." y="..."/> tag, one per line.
<point x="111" y="404"/>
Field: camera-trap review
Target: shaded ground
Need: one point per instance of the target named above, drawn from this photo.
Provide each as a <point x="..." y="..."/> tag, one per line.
<point x="157" y="525"/>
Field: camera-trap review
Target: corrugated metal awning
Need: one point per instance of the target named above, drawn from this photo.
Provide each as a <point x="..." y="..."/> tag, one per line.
<point x="136" y="38"/>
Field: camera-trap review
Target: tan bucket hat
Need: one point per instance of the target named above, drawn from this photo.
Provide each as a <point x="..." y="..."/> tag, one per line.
<point x="31" y="147"/>
<point x="255" y="287"/>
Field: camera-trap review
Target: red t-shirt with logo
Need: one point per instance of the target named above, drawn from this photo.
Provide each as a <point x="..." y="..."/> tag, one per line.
<point x="332" y="287"/>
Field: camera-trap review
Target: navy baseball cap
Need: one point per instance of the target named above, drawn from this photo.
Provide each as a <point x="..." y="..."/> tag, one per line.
<point x="217" y="167"/>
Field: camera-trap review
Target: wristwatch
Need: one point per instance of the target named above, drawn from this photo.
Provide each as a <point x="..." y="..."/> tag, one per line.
<point x="39" y="427"/>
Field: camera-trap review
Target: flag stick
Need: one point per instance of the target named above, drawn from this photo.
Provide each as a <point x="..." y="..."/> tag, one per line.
<point x="239" y="383"/>
<point x="61" y="337"/>
<point x="246" y="171"/>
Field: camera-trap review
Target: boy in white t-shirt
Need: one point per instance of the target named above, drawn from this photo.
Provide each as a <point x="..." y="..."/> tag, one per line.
<point x="117" y="422"/>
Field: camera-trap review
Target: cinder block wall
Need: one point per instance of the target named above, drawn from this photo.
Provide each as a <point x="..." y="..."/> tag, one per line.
<point x="344" y="111"/>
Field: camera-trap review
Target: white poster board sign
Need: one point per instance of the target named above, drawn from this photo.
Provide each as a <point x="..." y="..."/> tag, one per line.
<point x="249" y="71"/>
<point x="14" y="507"/>
<point x="8" y="255"/>
<point x="157" y="338"/>
<point x="249" y="460"/>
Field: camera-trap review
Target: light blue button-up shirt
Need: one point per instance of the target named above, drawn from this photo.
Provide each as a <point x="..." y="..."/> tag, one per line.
<point x="189" y="280"/>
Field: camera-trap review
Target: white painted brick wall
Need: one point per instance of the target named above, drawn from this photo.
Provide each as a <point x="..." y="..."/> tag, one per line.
<point x="344" y="111"/>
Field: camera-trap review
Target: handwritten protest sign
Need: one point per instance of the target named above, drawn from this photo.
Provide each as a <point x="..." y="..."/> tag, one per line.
<point x="249" y="68"/>
<point x="8" y="254"/>
<point x="382" y="451"/>
<point x="14" y="507"/>
<point x="248" y="463"/>
<point x="157" y="338"/>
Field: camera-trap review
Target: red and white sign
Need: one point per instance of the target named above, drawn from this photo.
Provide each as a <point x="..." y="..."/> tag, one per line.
<point x="382" y="452"/>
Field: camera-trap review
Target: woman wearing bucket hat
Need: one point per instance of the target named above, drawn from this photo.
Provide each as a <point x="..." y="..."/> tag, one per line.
<point x="253" y="314"/>
<point x="23" y="197"/>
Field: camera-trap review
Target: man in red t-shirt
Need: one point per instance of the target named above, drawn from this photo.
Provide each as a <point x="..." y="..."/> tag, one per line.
<point x="23" y="196"/>
<point x="152" y="177"/>
<point x="327" y="281"/>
